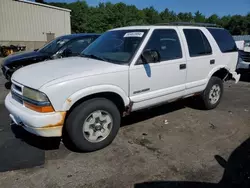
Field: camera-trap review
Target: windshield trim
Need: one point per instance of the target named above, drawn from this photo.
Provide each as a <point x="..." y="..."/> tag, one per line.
<point x="128" y="62"/>
<point x="139" y="46"/>
<point x="143" y="38"/>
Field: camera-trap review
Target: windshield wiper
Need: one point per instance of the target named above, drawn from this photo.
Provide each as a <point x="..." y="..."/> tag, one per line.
<point x="94" y="57"/>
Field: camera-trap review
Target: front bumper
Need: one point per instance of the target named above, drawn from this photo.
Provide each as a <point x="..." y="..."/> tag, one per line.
<point x="41" y="124"/>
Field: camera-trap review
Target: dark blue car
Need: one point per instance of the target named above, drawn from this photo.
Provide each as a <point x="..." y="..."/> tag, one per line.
<point x="64" y="46"/>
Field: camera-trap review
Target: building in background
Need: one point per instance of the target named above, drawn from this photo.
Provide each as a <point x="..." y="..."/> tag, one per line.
<point x="31" y="24"/>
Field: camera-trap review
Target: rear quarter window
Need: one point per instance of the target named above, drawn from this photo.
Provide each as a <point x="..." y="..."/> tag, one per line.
<point x="197" y="42"/>
<point x="224" y="40"/>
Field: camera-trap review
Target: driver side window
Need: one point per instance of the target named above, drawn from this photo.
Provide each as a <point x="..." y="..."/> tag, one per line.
<point x="77" y="46"/>
<point x="166" y="42"/>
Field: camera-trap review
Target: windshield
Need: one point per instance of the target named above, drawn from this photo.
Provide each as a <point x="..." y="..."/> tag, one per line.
<point x="117" y="46"/>
<point x="54" y="45"/>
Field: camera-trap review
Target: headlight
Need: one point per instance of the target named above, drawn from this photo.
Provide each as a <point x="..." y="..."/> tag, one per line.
<point x="34" y="95"/>
<point x="36" y="100"/>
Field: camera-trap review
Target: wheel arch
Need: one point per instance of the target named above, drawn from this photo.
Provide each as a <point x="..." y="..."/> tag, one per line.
<point x="113" y="93"/>
<point x="220" y="72"/>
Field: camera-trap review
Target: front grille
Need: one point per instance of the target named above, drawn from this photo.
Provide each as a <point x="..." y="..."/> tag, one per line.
<point x="245" y="56"/>
<point x="17" y="97"/>
<point x="16" y="92"/>
<point x="18" y="88"/>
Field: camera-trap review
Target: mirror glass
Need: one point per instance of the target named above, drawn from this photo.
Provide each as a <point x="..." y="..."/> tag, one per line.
<point x="150" y="56"/>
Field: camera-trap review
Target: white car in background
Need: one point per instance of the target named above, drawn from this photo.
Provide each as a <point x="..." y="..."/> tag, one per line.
<point x="124" y="70"/>
<point x="244" y="56"/>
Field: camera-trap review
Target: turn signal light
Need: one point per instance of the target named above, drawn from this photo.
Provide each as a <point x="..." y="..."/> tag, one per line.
<point x="41" y="109"/>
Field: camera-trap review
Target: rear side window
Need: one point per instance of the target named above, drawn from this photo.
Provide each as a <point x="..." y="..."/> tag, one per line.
<point x="224" y="40"/>
<point x="198" y="44"/>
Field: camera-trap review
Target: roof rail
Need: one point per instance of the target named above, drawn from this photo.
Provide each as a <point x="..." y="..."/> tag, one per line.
<point x="189" y="24"/>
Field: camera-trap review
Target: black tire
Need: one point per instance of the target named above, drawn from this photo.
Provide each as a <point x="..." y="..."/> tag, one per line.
<point x="75" y="121"/>
<point x="207" y="104"/>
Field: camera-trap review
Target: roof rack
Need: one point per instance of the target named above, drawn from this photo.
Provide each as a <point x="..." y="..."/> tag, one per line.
<point x="189" y="24"/>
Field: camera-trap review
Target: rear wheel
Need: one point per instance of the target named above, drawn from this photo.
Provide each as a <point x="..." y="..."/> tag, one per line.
<point x="93" y="124"/>
<point x="211" y="96"/>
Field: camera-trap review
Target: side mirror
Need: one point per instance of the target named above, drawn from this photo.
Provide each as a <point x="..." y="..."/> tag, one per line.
<point x="67" y="52"/>
<point x="36" y="49"/>
<point x="150" y="56"/>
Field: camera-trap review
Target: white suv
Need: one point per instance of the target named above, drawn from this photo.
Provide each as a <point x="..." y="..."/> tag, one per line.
<point x="124" y="70"/>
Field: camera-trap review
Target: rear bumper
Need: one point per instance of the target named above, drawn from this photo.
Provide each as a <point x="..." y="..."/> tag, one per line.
<point x="235" y="76"/>
<point x="41" y="124"/>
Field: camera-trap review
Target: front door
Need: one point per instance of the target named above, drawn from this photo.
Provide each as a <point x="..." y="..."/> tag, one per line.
<point x="154" y="83"/>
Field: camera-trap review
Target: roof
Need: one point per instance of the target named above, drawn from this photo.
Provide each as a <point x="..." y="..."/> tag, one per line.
<point x="71" y="36"/>
<point x="172" y="24"/>
<point x="44" y="5"/>
<point x="241" y="37"/>
<point x="189" y="24"/>
<point x="159" y="26"/>
<point x="134" y="27"/>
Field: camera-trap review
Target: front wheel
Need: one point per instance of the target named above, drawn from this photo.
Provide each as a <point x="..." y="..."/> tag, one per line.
<point x="211" y="96"/>
<point x="93" y="124"/>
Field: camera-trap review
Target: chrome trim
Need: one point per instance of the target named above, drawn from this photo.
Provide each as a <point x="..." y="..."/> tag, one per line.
<point x="16" y="97"/>
<point x="37" y="103"/>
<point x="19" y="85"/>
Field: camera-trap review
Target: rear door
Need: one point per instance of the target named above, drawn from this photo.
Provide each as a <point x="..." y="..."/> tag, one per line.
<point x="200" y="58"/>
<point x="228" y="51"/>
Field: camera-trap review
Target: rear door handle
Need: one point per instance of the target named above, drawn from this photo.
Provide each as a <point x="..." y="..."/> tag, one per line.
<point x="183" y="66"/>
<point x="212" y="62"/>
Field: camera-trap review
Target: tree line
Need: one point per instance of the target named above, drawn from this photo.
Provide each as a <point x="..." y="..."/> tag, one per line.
<point x="85" y="18"/>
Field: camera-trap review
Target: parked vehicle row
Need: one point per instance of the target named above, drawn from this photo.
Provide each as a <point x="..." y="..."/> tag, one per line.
<point x="65" y="46"/>
<point x="124" y="70"/>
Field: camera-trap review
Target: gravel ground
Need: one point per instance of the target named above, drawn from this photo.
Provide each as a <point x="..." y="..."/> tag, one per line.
<point x="176" y="143"/>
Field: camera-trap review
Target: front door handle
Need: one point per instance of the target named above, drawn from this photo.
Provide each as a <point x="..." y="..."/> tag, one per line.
<point x="212" y="62"/>
<point x="183" y="66"/>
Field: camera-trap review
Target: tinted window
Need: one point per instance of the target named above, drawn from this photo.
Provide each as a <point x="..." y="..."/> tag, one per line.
<point x="207" y="45"/>
<point x="79" y="45"/>
<point x="224" y="40"/>
<point x="54" y="45"/>
<point x="198" y="44"/>
<point x="166" y="42"/>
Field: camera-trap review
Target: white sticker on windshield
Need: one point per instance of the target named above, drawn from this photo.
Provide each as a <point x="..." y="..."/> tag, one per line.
<point x="134" y="34"/>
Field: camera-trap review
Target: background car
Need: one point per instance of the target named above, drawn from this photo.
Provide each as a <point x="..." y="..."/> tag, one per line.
<point x="244" y="57"/>
<point x="64" y="46"/>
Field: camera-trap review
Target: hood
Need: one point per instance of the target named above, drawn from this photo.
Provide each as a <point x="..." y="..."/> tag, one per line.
<point x="22" y="57"/>
<point x="36" y="75"/>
